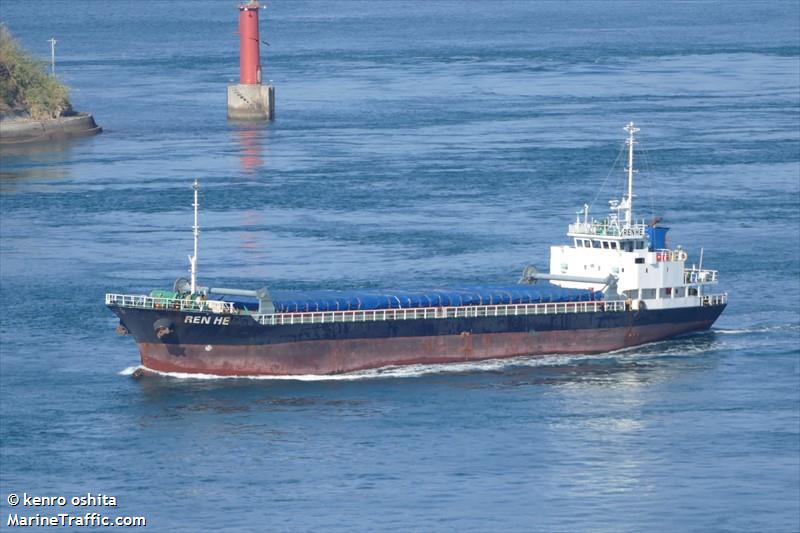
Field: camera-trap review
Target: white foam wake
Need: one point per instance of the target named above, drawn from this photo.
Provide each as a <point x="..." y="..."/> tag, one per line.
<point x="391" y="372"/>
<point x="130" y="370"/>
<point x="759" y="329"/>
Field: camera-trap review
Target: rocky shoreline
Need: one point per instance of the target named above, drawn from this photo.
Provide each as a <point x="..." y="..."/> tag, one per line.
<point x="17" y="131"/>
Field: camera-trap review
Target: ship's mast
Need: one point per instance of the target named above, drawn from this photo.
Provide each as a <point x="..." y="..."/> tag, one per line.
<point x="631" y="129"/>
<point x="196" y="232"/>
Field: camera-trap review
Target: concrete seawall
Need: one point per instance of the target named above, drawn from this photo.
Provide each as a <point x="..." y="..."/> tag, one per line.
<point x="24" y="131"/>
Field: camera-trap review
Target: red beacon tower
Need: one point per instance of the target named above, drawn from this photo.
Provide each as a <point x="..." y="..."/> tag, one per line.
<point x="249" y="99"/>
<point x="249" y="57"/>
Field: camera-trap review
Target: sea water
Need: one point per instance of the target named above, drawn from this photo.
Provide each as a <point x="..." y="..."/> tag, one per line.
<point x="415" y="143"/>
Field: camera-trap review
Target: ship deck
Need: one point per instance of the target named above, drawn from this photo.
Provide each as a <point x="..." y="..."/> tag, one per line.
<point x="277" y="319"/>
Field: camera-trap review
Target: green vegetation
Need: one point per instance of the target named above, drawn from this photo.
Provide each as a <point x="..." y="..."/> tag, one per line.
<point x="25" y="86"/>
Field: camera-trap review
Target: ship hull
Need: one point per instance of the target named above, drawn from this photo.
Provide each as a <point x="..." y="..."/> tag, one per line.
<point x="201" y="343"/>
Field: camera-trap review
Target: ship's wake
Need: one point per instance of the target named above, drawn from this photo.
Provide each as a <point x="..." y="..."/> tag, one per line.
<point x="760" y="329"/>
<point x="388" y="372"/>
<point x="130" y="370"/>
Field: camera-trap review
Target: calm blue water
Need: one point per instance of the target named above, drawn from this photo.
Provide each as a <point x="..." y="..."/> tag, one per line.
<point x="415" y="143"/>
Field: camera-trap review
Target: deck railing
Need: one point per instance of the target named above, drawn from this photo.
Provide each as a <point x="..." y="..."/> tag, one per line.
<point x="147" y="302"/>
<point x="471" y="311"/>
<point x="714" y="299"/>
<point x="696" y="276"/>
<point x="175" y="304"/>
<point x="607" y="228"/>
<point x="323" y="317"/>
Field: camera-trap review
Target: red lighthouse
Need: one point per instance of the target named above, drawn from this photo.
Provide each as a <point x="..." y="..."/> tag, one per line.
<point x="250" y="100"/>
<point x="249" y="59"/>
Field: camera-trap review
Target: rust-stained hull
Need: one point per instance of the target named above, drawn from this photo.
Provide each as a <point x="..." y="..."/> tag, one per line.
<point x="247" y="348"/>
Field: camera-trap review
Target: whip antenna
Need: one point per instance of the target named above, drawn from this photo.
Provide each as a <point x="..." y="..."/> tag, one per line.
<point x="196" y="233"/>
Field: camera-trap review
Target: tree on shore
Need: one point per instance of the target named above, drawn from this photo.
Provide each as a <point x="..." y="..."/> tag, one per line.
<point x="25" y="87"/>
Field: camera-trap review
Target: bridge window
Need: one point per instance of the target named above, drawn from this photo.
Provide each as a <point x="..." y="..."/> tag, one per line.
<point x="613" y="245"/>
<point x="605" y="245"/>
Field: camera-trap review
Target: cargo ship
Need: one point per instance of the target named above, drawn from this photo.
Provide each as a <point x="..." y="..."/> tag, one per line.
<point x="614" y="284"/>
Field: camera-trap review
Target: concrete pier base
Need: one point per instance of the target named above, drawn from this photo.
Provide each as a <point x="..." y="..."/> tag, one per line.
<point x="26" y="131"/>
<point x="251" y="102"/>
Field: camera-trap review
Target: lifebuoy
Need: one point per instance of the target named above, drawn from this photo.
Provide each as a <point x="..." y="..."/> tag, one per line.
<point x="682" y="256"/>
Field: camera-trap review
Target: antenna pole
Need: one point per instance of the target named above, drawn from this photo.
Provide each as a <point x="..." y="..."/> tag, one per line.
<point x="629" y="203"/>
<point x="52" y="41"/>
<point x="196" y="233"/>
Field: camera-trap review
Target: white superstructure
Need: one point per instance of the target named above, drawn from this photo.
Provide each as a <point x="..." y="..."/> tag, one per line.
<point x="632" y="251"/>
